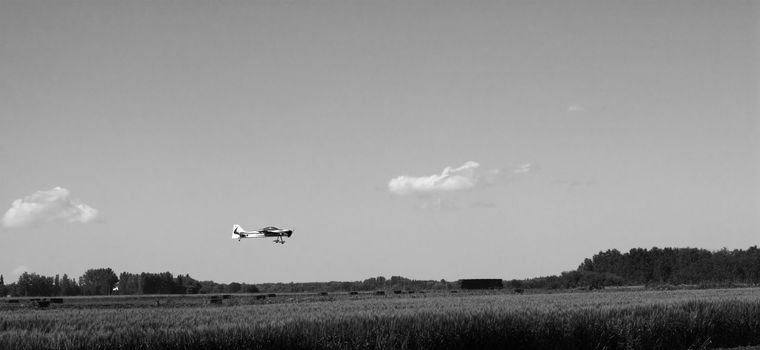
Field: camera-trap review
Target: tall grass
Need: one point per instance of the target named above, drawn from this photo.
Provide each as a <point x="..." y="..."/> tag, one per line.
<point x="645" y="320"/>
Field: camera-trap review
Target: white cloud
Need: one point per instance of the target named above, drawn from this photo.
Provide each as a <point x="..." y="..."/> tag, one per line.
<point x="44" y="206"/>
<point x="465" y="177"/>
<point x="576" y="109"/>
<point x="522" y="168"/>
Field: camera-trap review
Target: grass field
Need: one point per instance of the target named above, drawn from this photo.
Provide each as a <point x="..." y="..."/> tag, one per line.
<point x="593" y="320"/>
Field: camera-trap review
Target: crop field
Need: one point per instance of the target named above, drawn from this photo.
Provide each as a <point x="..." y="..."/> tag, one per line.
<point x="722" y="318"/>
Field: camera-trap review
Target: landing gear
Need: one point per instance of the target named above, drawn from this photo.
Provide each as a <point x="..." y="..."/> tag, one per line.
<point x="279" y="240"/>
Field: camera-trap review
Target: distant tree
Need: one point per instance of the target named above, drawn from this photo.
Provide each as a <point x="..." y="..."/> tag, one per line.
<point x="98" y="281"/>
<point x="347" y="286"/>
<point x="369" y="284"/>
<point x="68" y="286"/>
<point x="249" y="288"/>
<point x="56" y="286"/>
<point x="157" y="283"/>
<point x="179" y="285"/>
<point x="234" y="287"/>
<point x="187" y="285"/>
<point x="24" y="284"/>
<point x="12" y="290"/>
<point x="32" y="284"/>
<point x="167" y="283"/>
<point x="516" y="284"/>
<point x="587" y="265"/>
<point x="207" y="287"/>
<point x="129" y="283"/>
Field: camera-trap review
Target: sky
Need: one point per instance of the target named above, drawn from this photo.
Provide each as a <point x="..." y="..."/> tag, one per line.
<point x="425" y="139"/>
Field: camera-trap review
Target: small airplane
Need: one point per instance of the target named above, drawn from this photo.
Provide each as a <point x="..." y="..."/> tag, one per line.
<point x="269" y="231"/>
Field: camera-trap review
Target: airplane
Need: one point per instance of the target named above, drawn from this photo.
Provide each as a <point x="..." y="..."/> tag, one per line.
<point x="269" y="231"/>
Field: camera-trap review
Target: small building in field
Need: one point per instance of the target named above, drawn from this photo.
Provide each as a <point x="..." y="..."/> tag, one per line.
<point x="484" y="283"/>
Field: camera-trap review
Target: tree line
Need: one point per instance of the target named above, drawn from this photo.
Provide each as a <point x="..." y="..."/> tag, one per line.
<point x="103" y="281"/>
<point x="657" y="267"/>
<point x="93" y="282"/>
<point x="369" y="284"/>
<point x="678" y="265"/>
<point x="166" y="283"/>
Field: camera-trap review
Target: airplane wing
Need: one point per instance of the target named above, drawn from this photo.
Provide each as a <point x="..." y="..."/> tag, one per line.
<point x="253" y="234"/>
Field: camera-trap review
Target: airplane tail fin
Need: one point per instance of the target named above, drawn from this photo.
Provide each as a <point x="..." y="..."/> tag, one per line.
<point x="235" y="229"/>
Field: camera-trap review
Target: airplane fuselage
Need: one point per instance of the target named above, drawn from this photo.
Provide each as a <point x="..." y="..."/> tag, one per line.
<point x="271" y="231"/>
<point x="277" y="233"/>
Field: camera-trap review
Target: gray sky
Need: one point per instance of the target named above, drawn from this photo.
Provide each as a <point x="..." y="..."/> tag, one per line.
<point x="593" y="125"/>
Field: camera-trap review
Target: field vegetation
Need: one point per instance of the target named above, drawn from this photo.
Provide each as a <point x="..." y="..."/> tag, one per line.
<point x="491" y="320"/>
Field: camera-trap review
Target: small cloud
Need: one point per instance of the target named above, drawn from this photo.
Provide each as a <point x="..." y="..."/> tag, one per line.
<point x="522" y="168"/>
<point x="44" y="206"/>
<point x="465" y="177"/>
<point x="452" y="189"/>
<point x="576" y="109"/>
